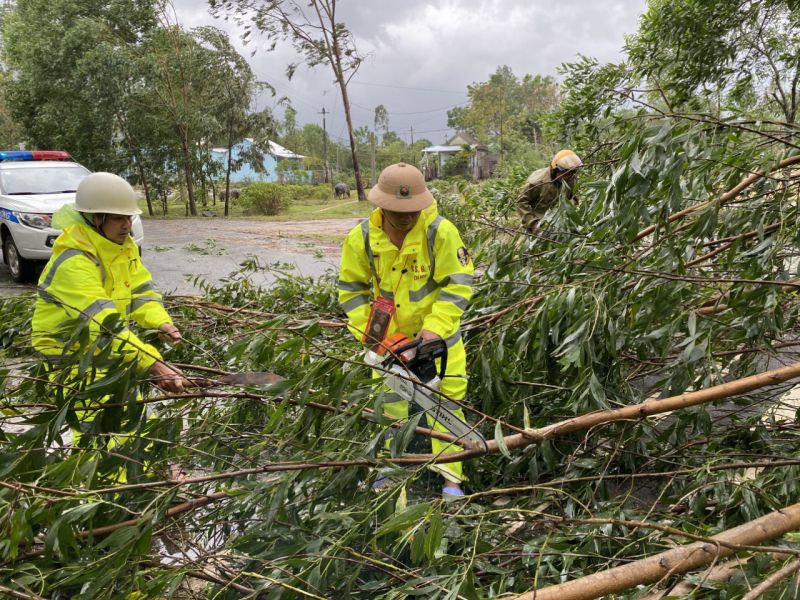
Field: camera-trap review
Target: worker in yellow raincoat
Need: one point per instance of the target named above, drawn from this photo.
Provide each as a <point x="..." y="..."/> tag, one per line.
<point x="96" y="273"/>
<point x="408" y="254"/>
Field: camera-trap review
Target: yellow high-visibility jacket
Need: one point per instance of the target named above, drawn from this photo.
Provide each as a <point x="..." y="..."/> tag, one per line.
<point x="429" y="279"/>
<point x="90" y="278"/>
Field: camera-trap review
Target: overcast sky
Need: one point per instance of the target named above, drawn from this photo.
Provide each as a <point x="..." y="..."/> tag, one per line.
<point x="422" y="55"/>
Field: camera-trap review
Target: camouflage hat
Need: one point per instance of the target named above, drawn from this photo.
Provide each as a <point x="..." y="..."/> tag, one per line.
<point x="401" y="188"/>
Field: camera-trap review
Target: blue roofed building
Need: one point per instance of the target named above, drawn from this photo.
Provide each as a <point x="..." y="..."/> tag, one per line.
<point x="276" y="167"/>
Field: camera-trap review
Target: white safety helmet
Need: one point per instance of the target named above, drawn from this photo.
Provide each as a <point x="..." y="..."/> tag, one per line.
<point x="401" y="188"/>
<point x="106" y="193"/>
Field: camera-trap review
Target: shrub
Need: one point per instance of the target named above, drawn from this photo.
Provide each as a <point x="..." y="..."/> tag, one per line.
<point x="307" y="192"/>
<point x="265" y="198"/>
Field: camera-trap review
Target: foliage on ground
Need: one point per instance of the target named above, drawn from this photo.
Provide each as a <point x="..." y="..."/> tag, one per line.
<point x="589" y="314"/>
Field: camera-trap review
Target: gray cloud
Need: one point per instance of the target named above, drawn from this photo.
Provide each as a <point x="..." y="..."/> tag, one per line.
<point x="423" y="54"/>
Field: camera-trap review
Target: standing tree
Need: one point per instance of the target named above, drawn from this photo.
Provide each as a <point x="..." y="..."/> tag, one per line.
<point x="506" y="105"/>
<point x="314" y="32"/>
<point x="236" y="90"/>
<point x="179" y="84"/>
<point x="381" y="121"/>
<point x="63" y="56"/>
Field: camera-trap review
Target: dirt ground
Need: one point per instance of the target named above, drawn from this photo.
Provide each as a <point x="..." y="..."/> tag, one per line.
<point x="176" y="250"/>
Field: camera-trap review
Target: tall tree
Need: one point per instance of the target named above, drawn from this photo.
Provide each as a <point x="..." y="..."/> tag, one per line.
<point x="506" y="105"/>
<point x="236" y="88"/>
<point x="380" y="122"/>
<point x="179" y="83"/>
<point x="315" y="33"/>
<point x="62" y="54"/>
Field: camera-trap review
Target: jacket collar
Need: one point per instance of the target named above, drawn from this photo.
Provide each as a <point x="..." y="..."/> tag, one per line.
<point x="415" y="239"/>
<point x="84" y="237"/>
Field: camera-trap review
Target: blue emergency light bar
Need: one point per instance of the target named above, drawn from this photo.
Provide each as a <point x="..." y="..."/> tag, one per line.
<point x="34" y="155"/>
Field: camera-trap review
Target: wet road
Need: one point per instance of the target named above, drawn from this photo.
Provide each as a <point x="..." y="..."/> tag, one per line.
<point x="177" y="250"/>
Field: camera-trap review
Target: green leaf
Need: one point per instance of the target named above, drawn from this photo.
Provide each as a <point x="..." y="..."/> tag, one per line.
<point x="501" y="442"/>
<point x="403" y="436"/>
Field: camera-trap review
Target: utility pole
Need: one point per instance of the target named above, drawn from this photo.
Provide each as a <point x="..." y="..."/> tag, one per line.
<point x="413" y="151"/>
<point x="325" y="146"/>
<point x="372" y="138"/>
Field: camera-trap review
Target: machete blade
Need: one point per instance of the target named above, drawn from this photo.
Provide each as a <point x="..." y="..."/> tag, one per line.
<point x="256" y="378"/>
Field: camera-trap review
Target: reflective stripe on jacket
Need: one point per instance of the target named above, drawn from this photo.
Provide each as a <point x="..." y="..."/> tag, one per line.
<point x="429" y="279"/>
<point x="91" y="278"/>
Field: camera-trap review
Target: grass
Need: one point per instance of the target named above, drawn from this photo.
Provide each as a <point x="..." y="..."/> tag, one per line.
<point x="301" y="210"/>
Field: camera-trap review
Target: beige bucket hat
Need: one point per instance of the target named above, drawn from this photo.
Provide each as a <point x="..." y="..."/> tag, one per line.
<point x="401" y="188"/>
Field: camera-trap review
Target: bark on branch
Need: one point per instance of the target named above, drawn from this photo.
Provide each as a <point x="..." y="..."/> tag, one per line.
<point x="520" y="440"/>
<point x="726" y="197"/>
<point x="675" y="561"/>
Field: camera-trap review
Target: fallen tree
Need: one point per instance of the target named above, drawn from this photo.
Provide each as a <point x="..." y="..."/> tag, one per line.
<point x="672" y="562"/>
<point x="580" y="341"/>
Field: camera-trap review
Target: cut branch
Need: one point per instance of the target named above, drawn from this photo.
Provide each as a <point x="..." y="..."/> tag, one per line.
<point x="772" y="580"/>
<point x="675" y="561"/>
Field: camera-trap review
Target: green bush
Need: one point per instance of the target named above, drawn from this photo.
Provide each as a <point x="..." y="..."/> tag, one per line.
<point x="272" y="198"/>
<point x="308" y="192"/>
<point x="265" y="198"/>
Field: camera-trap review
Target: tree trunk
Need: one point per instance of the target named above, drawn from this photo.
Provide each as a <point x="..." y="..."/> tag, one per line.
<point x="672" y="562"/>
<point x="372" y="139"/>
<point x="187" y="170"/>
<point x="337" y="66"/>
<point x="634" y="412"/>
<point x="720" y="574"/>
<point x="228" y="170"/>
<point x="143" y="179"/>
<point x="146" y="187"/>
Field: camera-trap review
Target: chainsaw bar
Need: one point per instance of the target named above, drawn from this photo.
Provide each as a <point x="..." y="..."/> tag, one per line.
<point x="432" y="405"/>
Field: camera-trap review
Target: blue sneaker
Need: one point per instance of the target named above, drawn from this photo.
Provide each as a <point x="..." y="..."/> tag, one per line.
<point x="452" y="491"/>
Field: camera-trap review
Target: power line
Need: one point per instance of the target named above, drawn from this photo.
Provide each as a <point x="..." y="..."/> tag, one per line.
<point x="433" y="110"/>
<point x="434" y="130"/>
<point x="417" y="112"/>
<point x="406" y="87"/>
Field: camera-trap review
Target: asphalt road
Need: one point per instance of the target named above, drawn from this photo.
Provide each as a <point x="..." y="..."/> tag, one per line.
<point x="177" y="250"/>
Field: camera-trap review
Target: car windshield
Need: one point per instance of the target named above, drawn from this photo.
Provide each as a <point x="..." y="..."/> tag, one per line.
<point x="42" y="180"/>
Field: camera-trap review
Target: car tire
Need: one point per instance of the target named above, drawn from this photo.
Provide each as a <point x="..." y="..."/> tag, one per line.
<point x="22" y="269"/>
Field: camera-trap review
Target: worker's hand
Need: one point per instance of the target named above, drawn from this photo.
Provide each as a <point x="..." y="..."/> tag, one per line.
<point x="426" y="334"/>
<point x="170" y="334"/>
<point x="168" y="377"/>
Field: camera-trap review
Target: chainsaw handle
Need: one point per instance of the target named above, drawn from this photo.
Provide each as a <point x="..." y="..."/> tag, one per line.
<point x="443" y="364"/>
<point x="442" y="357"/>
<point x="407" y="346"/>
<point x="421" y="355"/>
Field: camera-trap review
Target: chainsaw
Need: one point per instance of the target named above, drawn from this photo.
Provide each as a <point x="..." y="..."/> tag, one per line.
<point x="408" y="368"/>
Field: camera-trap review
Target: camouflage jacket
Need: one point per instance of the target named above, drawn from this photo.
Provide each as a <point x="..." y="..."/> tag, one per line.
<point x="537" y="195"/>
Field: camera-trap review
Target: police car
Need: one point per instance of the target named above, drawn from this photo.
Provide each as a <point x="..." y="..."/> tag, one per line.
<point x="33" y="185"/>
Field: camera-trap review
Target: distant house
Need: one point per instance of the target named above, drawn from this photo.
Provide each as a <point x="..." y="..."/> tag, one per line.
<point x="482" y="162"/>
<point x="271" y="160"/>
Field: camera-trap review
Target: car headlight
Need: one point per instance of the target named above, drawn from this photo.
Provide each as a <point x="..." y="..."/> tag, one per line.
<point x="35" y="220"/>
